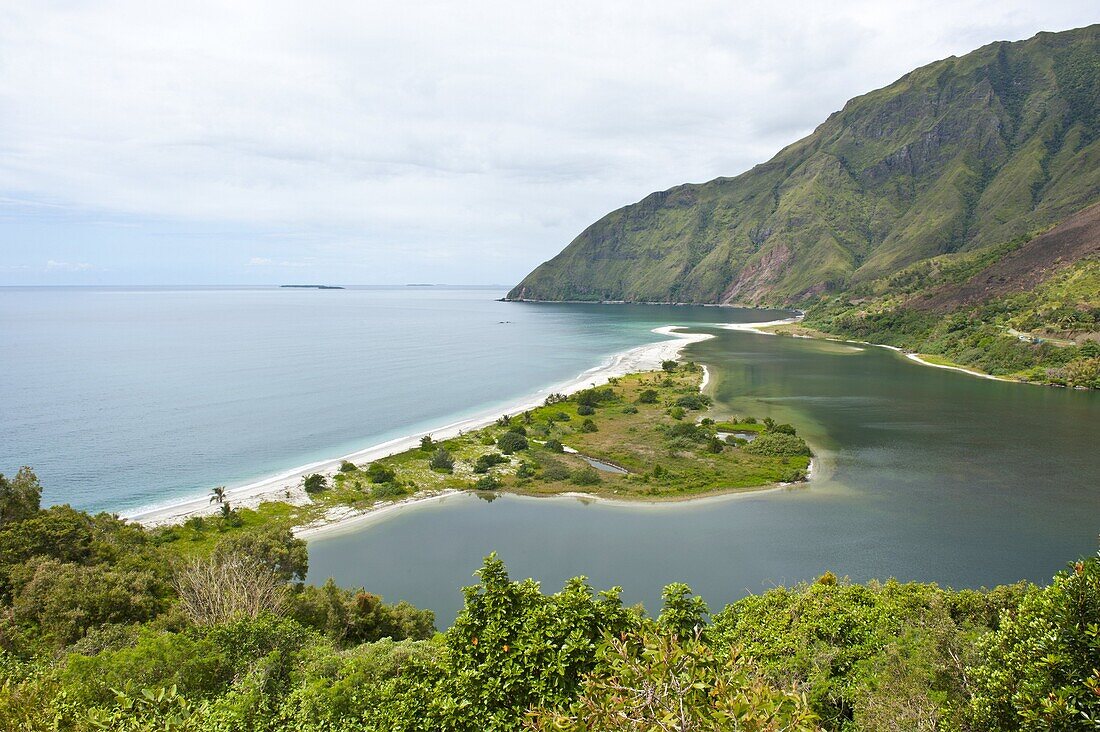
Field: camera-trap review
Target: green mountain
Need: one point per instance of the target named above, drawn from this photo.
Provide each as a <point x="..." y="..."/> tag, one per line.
<point x="956" y="158"/>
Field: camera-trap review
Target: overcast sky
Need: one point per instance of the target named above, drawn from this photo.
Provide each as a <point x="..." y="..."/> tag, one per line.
<point x="376" y="143"/>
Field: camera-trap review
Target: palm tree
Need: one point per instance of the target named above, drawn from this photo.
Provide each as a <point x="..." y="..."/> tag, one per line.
<point x="226" y="510"/>
<point x="219" y="494"/>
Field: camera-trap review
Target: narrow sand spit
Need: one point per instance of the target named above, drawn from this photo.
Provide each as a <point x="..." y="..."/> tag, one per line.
<point x="287" y="486"/>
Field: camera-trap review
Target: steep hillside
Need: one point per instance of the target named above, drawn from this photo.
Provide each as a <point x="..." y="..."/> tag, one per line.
<point x="960" y="155"/>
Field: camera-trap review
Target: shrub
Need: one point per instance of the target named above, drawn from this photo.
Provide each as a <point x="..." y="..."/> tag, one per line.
<point x="379" y="473"/>
<point x="585" y="476"/>
<point x="555" y="398"/>
<point x="649" y="396"/>
<point x="511" y="442"/>
<point x="487" y="483"/>
<point x="1038" y="670"/>
<point x="630" y="410"/>
<point x="677" y="412"/>
<point x="668" y="366"/>
<point x="584" y="410"/>
<point x="778" y="444"/>
<point x="314" y="483"/>
<point x="441" y="461"/>
<point x="487" y="461"/>
<point x="784" y="429"/>
<point x="589" y="426"/>
<point x="593" y="397"/>
<point x="555" y="472"/>
<point x="526" y="470"/>
<point x="518" y="429"/>
<point x="388" y="490"/>
<point x="348" y="467"/>
<point x="555" y="445"/>
<point x="693" y="401"/>
<point x="426" y="443"/>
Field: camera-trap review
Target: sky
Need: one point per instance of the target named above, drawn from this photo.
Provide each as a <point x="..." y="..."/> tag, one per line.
<point x="398" y="142"/>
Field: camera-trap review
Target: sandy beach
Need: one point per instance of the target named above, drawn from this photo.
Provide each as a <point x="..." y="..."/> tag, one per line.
<point x="287" y="486"/>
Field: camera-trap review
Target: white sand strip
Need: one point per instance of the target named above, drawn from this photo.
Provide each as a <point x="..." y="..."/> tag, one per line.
<point x="286" y="486"/>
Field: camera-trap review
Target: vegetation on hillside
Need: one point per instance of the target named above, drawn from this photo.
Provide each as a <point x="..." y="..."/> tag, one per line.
<point x="958" y="155"/>
<point x="99" y="630"/>
<point x="973" y="310"/>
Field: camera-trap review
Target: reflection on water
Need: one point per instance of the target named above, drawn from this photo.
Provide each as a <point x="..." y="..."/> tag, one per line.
<point x="920" y="475"/>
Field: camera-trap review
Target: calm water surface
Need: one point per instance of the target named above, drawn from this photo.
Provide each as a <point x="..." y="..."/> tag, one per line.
<point x="924" y="474"/>
<point x="124" y="397"/>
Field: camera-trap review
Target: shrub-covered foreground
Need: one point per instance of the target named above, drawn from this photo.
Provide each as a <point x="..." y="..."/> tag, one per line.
<point x="104" y="628"/>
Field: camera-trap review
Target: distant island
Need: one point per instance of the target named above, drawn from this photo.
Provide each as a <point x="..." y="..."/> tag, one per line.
<point x="314" y="287"/>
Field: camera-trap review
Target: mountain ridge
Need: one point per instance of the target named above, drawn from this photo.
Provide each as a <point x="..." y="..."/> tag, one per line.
<point x="955" y="156"/>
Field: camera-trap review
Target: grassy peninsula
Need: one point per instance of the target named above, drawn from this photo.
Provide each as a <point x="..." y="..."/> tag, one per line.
<point x="647" y="436"/>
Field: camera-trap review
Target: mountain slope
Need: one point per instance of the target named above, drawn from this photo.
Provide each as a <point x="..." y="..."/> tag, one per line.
<point x="955" y="156"/>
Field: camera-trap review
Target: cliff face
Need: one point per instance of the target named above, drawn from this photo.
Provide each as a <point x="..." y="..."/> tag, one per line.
<point x="955" y="156"/>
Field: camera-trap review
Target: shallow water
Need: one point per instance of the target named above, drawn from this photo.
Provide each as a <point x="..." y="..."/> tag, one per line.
<point x="921" y="475"/>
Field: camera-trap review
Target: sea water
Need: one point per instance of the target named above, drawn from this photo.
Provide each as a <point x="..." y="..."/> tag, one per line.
<point x="121" y="398"/>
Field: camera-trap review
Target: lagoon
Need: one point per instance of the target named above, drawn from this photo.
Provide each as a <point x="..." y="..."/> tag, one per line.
<point x="921" y="475"/>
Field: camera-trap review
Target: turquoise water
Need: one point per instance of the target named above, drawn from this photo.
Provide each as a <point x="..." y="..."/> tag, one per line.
<point x="121" y="398"/>
<point x="924" y="474"/>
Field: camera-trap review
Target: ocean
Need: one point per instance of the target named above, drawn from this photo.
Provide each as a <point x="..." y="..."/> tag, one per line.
<point x="124" y="398"/>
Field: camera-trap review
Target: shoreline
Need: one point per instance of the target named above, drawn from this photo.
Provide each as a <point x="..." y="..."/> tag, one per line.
<point x="356" y="520"/>
<point x="286" y="485"/>
<point x="911" y="355"/>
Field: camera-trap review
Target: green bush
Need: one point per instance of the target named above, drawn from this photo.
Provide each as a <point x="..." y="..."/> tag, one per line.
<point x="585" y="476"/>
<point x="441" y="461"/>
<point x="487" y="461"/>
<point x="487" y="483"/>
<point x="693" y="401"/>
<point x="778" y="444"/>
<point x="585" y="410"/>
<point x="426" y="443"/>
<point x="380" y="473"/>
<point x="1040" y="670"/>
<point x="348" y="467"/>
<point x="382" y="491"/>
<point x="589" y="426"/>
<point x="554" y="445"/>
<point x="511" y="442"/>
<point x="314" y="483"/>
<point x="648" y="396"/>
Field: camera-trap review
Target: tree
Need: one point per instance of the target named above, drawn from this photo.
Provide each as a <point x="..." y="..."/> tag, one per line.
<point x="426" y="443"/>
<point x="218" y="494"/>
<point x="668" y="366"/>
<point x="511" y="442"/>
<point x="218" y="589"/>
<point x="653" y="681"/>
<point x="1040" y="669"/>
<point x="441" y="461"/>
<point x="314" y="483"/>
<point x="20" y="497"/>
<point x="273" y="547"/>
<point x="648" y="396"/>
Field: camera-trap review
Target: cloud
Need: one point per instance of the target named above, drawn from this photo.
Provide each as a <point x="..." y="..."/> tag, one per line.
<point x="268" y="262"/>
<point x="55" y="266"/>
<point x="368" y="131"/>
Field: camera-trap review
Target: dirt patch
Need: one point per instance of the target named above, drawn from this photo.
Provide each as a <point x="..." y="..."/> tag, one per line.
<point x="1076" y="238"/>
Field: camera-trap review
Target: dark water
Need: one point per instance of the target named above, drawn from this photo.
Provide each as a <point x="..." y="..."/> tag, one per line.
<point x="924" y="474"/>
